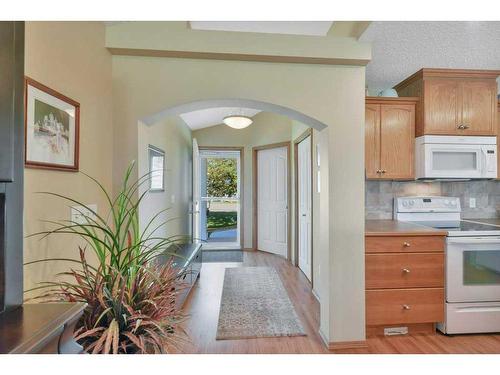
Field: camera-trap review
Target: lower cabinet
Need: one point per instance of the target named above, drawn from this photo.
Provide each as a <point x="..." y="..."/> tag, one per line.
<point x="404" y="306"/>
<point x="404" y="283"/>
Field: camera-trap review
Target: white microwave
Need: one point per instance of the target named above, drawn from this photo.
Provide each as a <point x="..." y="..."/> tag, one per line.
<point x="455" y="157"/>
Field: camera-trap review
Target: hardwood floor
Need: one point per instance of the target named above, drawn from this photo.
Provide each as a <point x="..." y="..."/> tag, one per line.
<point x="203" y="309"/>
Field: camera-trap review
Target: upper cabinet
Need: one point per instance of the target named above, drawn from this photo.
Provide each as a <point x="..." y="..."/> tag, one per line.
<point x="453" y="102"/>
<point x="389" y="138"/>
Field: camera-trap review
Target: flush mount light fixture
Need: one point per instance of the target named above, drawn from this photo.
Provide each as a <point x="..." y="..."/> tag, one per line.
<point x="237" y="121"/>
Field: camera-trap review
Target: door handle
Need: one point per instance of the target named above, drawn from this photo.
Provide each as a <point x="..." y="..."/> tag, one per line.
<point x="304" y="215"/>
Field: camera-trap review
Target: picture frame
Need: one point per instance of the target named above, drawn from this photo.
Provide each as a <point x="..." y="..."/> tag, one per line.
<point x="156" y="158"/>
<point x="51" y="127"/>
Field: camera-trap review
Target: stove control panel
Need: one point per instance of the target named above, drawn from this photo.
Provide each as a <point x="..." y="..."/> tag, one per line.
<point x="427" y="204"/>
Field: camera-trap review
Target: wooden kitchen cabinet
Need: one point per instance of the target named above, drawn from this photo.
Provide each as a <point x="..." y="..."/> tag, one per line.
<point x="453" y="102"/>
<point x="404" y="278"/>
<point x="389" y="138"/>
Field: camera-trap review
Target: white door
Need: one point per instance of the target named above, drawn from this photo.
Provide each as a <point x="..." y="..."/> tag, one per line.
<point x="196" y="192"/>
<point x="272" y="200"/>
<point x="304" y="210"/>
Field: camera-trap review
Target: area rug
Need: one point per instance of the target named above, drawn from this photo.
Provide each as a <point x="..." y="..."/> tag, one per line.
<point x="255" y="304"/>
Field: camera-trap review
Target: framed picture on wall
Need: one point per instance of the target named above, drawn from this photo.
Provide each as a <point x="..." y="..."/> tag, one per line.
<point x="52" y="128"/>
<point x="156" y="168"/>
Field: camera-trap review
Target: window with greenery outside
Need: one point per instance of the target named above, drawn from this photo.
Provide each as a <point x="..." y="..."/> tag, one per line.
<point x="222" y="183"/>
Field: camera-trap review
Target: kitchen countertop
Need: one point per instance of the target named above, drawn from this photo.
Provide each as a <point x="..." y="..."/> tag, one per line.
<point x="400" y="228"/>
<point x="485" y="221"/>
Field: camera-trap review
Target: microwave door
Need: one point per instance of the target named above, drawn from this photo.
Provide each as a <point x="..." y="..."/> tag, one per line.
<point x="457" y="161"/>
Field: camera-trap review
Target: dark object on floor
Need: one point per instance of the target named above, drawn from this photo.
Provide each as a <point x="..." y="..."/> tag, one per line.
<point x="222" y="256"/>
<point x="188" y="260"/>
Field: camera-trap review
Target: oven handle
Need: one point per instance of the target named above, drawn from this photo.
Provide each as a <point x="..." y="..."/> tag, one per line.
<point x="473" y="240"/>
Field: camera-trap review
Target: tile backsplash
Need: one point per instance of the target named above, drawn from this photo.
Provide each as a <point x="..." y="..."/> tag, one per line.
<point x="379" y="196"/>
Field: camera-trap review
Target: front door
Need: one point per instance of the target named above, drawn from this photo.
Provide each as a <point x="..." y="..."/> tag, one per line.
<point x="272" y="200"/>
<point x="304" y="227"/>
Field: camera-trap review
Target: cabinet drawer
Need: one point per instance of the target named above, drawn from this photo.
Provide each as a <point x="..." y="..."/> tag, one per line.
<point x="399" y="306"/>
<point x="404" y="270"/>
<point x="404" y="244"/>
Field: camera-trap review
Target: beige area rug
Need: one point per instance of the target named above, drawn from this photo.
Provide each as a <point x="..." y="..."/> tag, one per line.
<point x="255" y="304"/>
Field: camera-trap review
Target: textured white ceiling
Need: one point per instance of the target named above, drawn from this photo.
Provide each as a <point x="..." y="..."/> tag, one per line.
<point x="318" y="28"/>
<point x="402" y="48"/>
<point x="205" y="118"/>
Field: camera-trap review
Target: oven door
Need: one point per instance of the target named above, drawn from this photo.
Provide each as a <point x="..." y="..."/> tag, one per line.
<point x="454" y="161"/>
<point x="473" y="269"/>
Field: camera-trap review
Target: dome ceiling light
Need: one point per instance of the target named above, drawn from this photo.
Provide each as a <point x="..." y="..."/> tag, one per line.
<point x="237" y="121"/>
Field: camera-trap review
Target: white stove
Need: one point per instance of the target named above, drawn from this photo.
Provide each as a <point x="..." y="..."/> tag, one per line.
<point x="472" y="262"/>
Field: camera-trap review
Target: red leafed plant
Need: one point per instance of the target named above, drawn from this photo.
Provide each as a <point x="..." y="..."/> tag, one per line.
<point x="130" y="294"/>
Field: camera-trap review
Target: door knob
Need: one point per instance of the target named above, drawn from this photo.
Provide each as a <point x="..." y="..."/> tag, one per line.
<point x="406" y="307"/>
<point x="406" y="244"/>
<point x="405" y="270"/>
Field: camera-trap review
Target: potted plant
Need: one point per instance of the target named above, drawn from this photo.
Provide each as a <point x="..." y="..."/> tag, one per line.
<point x="130" y="295"/>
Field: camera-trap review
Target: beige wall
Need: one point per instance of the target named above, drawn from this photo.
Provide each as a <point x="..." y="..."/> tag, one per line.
<point x="68" y="57"/>
<point x="152" y="37"/>
<point x="174" y="137"/>
<point x="334" y="95"/>
<point x="267" y="128"/>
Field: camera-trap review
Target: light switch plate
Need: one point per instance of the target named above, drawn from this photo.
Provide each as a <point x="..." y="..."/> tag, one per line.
<point x="79" y="214"/>
<point x="472" y="202"/>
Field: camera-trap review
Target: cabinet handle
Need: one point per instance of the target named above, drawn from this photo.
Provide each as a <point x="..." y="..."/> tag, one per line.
<point x="406" y="307"/>
<point x="461" y="126"/>
<point x="466" y="126"/>
<point x="405" y="270"/>
<point x="406" y="244"/>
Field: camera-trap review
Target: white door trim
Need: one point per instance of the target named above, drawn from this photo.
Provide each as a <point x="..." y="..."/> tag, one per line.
<point x="300" y="138"/>
<point x="195" y="209"/>
<point x="303" y="208"/>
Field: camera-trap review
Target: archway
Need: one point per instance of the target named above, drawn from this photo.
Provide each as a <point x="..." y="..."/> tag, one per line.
<point x="237" y="103"/>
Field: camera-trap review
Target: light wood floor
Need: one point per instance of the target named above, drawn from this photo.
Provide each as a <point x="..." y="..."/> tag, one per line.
<point x="203" y="308"/>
